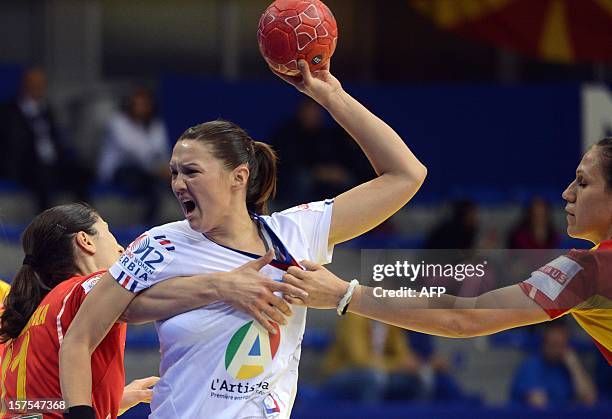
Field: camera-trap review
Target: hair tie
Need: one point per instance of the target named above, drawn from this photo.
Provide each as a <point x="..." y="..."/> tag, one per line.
<point x="29" y="260"/>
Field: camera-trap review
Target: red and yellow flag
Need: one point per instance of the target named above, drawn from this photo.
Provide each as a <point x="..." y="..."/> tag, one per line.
<point x="564" y="31"/>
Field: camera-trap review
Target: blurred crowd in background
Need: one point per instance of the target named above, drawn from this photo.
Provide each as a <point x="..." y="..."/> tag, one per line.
<point x="363" y="361"/>
<point x="114" y="151"/>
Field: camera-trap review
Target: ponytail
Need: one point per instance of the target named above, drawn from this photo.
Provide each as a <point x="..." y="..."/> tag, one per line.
<point x="262" y="183"/>
<point x="49" y="248"/>
<point x="21" y="302"/>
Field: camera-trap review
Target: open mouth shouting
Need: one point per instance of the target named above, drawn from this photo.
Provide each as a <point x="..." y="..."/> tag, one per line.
<point x="188" y="206"/>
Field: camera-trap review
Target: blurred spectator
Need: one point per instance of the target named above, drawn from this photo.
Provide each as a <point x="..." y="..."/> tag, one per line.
<point x="370" y="361"/>
<point x="135" y="153"/>
<point x="434" y="370"/>
<point x="554" y="376"/>
<point x="459" y="231"/>
<point x="316" y="161"/>
<point x="35" y="154"/>
<point x="535" y="230"/>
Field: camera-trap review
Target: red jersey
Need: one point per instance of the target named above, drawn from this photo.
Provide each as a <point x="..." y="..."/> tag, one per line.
<point x="578" y="283"/>
<point x="30" y="363"/>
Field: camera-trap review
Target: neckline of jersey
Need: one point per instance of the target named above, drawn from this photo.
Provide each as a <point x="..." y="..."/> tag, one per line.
<point x="280" y="264"/>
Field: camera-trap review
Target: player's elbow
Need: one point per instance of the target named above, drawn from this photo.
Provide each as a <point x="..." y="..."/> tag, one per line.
<point x="72" y="348"/>
<point x="414" y="174"/>
<point x="421" y="173"/>
<point x="130" y="315"/>
<point x="464" y="325"/>
<point x="78" y="340"/>
<point x="409" y="181"/>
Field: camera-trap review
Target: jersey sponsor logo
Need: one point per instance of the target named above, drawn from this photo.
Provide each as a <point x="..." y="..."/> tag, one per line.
<point x="146" y="256"/>
<point x="250" y="350"/>
<point x="554" y="277"/>
<point x="90" y="283"/>
<point x="556" y="274"/>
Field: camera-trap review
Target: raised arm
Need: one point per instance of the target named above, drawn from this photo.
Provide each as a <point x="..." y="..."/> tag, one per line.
<point x="448" y="316"/>
<point x="400" y="173"/>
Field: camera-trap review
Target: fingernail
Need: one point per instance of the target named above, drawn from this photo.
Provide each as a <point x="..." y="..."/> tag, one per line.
<point x="305" y="295"/>
<point x="273" y="331"/>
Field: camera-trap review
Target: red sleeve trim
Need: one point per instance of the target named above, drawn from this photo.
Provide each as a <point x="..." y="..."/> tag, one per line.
<point x="604" y="351"/>
<point x="544" y="302"/>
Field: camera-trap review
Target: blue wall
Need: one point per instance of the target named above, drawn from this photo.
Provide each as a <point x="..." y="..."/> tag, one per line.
<point x="492" y="142"/>
<point x="9" y="81"/>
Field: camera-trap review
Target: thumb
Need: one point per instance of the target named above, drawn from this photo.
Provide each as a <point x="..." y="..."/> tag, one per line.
<point x="148" y="382"/>
<point x="257" y="264"/>
<point x="311" y="266"/>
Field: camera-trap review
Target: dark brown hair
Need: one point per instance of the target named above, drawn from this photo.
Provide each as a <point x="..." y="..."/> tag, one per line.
<point x="605" y="146"/>
<point x="49" y="248"/>
<point x="233" y="146"/>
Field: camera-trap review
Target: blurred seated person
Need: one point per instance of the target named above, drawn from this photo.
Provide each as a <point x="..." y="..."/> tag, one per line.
<point x="316" y="160"/>
<point x="369" y="362"/>
<point x="554" y="376"/>
<point x="459" y="231"/>
<point x="535" y="230"/>
<point x="135" y="152"/>
<point x="434" y="370"/>
<point x="35" y="155"/>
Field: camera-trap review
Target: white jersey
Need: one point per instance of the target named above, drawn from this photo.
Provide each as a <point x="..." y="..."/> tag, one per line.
<point x="217" y="362"/>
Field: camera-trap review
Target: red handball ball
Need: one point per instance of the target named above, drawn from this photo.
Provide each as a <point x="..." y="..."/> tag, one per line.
<point x="292" y="30"/>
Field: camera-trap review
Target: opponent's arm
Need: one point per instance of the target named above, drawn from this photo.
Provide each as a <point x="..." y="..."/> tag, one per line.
<point x="99" y="311"/>
<point x="400" y="173"/>
<point x="448" y="316"/>
<point x="244" y="288"/>
<point x="486" y="314"/>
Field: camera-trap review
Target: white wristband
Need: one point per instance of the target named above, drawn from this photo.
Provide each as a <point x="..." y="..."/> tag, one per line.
<point x="344" y="301"/>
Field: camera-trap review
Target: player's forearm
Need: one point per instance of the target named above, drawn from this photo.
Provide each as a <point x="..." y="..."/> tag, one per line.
<point x="173" y="297"/>
<point x="450" y="316"/>
<point x="385" y="149"/>
<point x="75" y="372"/>
<point x="419" y="314"/>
